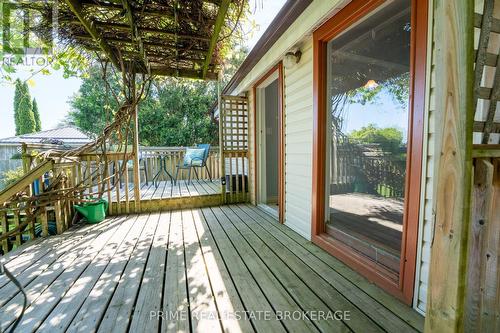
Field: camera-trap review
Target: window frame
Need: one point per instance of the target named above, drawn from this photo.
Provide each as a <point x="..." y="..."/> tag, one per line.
<point x="340" y="22"/>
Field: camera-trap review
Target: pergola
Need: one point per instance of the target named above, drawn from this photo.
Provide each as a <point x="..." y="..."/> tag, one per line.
<point x="157" y="37"/>
<point x="142" y="39"/>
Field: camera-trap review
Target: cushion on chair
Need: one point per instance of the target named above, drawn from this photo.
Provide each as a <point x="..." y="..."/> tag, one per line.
<point x="194" y="156"/>
<point x="205" y="146"/>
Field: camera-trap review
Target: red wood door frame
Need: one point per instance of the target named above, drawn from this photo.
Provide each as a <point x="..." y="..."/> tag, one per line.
<point x="344" y="19"/>
<point x="281" y="137"/>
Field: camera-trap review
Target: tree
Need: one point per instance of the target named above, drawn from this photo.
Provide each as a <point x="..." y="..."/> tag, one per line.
<point x="17" y="102"/>
<point x="27" y="122"/>
<point x="93" y="106"/>
<point x="23" y="109"/>
<point x="390" y="139"/>
<point x="178" y="113"/>
<point x="36" y="114"/>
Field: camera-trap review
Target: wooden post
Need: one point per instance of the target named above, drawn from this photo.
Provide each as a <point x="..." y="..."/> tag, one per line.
<point x="482" y="271"/>
<point x="25" y="158"/>
<point x="17" y="222"/>
<point x="59" y="217"/>
<point x="31" y="228"/>
<point x="137" y="176"/>
<point x="222" y="166"/>
<point x="26" y="161"/>
<point x="5" y="229"/>
<point x="453" y="33"/>
<point x="44" y="223"/>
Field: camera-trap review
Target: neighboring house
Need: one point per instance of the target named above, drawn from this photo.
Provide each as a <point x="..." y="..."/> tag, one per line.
<point x="371" y="60"/>
<point x="67" y="136"/>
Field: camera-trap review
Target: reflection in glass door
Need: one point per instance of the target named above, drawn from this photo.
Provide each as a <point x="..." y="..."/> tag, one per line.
<point x="368" y="75"/>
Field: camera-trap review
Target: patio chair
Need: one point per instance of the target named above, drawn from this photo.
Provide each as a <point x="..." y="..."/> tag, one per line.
<point x="194" y="158"/>
<point x="130" y="164"/>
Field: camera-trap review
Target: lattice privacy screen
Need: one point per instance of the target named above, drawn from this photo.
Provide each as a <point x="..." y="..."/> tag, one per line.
<point x="234" y="142"/>
<point x="487" y="78"/>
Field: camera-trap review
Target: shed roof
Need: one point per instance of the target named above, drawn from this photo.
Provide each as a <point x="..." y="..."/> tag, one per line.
<point x="69" y="135"/>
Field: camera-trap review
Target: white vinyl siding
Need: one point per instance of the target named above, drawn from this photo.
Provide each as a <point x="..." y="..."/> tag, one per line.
<point x="298" y="142"/>
<point x="427" y="214"/>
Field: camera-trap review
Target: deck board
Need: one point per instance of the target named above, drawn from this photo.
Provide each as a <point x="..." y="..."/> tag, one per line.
<point x="224" y="291"/>
<point x="149" y="299"/>
<point x="205" y="265"/>
<point x="96" y="302"/>
<point x="176" y="299"/>
<point x="314" y="294"/>
<point x="270" y="284"/>
<point x="356" y="283"/>
<point x="35" y="288"/>
<point x="119" y="310"/>
<point x="200" y="293"/>
<point x="166" y="190"/>
<point x="319" y="275"/>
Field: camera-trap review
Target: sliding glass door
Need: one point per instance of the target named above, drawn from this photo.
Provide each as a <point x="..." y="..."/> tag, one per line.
<point x="368" y="70"/>
<point x="369" y="88"/>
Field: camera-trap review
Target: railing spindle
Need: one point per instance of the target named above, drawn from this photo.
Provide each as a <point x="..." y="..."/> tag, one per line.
<point x="5" y="228"/>
<point x="17" y="221"/>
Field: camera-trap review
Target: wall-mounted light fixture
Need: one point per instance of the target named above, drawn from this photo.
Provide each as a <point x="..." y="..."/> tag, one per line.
<point x="292" y="57"/>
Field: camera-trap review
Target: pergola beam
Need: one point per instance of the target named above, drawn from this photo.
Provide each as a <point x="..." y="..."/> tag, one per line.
<point x="163" y="56"/>
<point x="147" y="11"/>
<point x="219" y="22"/>
<point x="187" y="73"/>
<point x="162" y="44"/>
<point x="122" y="26"/>
<point x="76" y="8"/>
<point x="135" y="33"/>
<point x="117" y="27"/>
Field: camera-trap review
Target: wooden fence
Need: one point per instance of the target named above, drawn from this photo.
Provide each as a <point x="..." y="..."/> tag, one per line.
<point x="366" y="168"/>
<point x="483" y="278"/>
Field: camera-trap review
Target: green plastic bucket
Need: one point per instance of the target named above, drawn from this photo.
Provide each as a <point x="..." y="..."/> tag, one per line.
<point x="93" y="212"/>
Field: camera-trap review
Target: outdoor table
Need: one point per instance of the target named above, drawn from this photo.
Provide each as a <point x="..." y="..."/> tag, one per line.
<point x="163" y="170"/>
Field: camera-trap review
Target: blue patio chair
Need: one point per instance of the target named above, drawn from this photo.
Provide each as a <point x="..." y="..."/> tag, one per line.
<point x="194" y="158"/>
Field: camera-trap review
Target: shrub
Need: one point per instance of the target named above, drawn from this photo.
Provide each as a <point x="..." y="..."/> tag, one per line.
<point x="11" y="176"/>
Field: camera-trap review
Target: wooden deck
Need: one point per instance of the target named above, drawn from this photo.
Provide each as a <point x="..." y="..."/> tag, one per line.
<point x="167" y="190"/>
<point x="230" y="268"/>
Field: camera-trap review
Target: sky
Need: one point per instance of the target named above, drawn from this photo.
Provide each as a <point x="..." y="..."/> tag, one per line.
<point x="52" y="92"/>
<point x="382" y="113"/>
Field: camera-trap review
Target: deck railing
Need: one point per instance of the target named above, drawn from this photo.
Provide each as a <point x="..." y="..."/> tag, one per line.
<point x="109" y="176"/>
<point x="155" y="164"/>
<point x="20" y="222"/>
<point x="151" y="159"/>
<point x="378" y="171"/>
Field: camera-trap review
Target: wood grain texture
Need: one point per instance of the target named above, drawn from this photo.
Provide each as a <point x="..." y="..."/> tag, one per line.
<point x="454" y="100"/>
<point x="209" y="266"/>
<point x="482" y="302"/>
